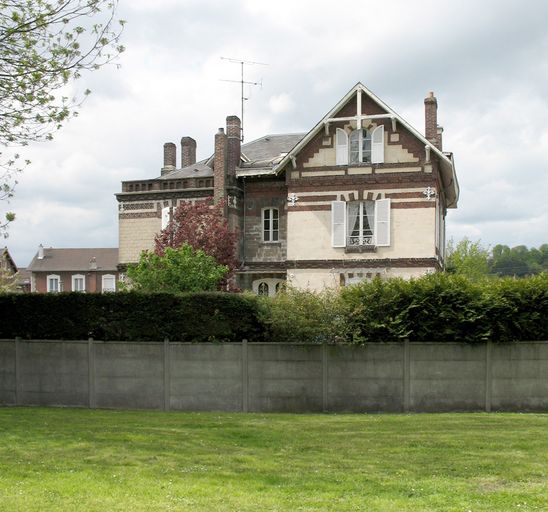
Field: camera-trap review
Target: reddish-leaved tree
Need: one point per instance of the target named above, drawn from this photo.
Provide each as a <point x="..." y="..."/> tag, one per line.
<point x="203" y="226"/>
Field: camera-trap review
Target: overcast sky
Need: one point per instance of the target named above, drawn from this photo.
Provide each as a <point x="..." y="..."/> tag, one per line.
<point x="487" y="63"/>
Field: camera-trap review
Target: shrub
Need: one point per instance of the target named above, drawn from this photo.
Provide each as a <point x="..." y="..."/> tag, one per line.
<point x="303" y="317"/>
<point x="195" y="317"/>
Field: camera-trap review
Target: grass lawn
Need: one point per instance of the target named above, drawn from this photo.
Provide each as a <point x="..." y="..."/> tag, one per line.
<point x="84" y="460"/>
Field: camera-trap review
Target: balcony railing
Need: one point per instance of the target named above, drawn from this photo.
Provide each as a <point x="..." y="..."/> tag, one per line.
<point x="358" y="241"/>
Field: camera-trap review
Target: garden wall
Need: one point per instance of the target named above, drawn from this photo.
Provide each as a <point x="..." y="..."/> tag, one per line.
<point x="276" y="377"/>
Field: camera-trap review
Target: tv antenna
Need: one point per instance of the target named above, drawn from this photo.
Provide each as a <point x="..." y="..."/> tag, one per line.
<point x="242" y="82"/>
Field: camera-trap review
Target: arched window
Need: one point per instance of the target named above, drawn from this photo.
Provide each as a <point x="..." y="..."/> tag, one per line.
<point x="262" y="289"/>
<point x="360" y="147"/>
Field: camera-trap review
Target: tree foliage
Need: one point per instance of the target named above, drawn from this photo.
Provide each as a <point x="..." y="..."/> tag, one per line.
<point x="202" y="226"/>
<point x="44" y="45"/>
<point x="472" y="260"/>
<point x="467" y="258"/>
<point x="177" y="270"/>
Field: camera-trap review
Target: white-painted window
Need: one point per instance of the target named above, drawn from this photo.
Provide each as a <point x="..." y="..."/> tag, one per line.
<point x="78" y="283"/>
<point x="108" y="283"/>
<point x="360" y="223"/>
<point x="54" y="283"/>
<point x="360" y="147"/>
<point x="364" y="147"/>
<point x="271" y="221"/>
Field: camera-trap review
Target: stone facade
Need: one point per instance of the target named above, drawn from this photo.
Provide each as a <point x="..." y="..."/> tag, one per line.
<point x="284" y="192"/>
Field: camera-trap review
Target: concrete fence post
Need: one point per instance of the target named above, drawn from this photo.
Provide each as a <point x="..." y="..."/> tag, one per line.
<point x="17" y="371"/>
<point x="406" y="376"/>
<point x="91" y="375"/>
<point x="245" y="377"/>
<point x="325" y="377"/>
<point x="488" y="375"/>
<point x="167" y="375"/>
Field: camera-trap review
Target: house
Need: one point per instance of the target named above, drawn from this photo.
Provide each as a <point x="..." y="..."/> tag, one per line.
<point x="74" y="270"/>
<point x="361" y="194"/>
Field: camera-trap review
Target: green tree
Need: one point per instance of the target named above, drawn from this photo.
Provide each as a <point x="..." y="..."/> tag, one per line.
<point x="44" y="45"/>
<point x="178" y="270"/>
<point x="467" y="258"/>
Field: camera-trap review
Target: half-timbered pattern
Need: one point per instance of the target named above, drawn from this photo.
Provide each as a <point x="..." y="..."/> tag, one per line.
<point x="362" y="194"/>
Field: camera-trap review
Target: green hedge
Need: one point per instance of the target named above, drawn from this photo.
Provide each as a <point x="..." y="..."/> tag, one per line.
<point x="131" y="316"/>
<point x="442" y="307"/>
<point x="439" y="307"/>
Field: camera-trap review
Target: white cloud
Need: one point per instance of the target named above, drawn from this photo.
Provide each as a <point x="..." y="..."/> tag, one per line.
<point x="485" y="61"/>
<point x="281" y="103"/>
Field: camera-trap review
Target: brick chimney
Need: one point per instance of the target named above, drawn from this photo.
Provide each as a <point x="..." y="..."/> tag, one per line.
<point x="234" y="134"/>
<point x="188" y="151"/>
<point x="170" y="157"/>
<point x="431" y="119"/>
<point x="220" y="166"/>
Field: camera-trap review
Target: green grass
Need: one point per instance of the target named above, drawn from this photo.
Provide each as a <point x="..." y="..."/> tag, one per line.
<point x="83" y="460"/>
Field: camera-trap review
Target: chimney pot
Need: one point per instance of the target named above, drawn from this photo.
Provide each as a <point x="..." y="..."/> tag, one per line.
<point x="40" y="252"/>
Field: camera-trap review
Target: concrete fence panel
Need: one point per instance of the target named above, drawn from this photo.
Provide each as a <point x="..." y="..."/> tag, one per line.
<point x="363" y="379"/>
<point x="276" y="377"/>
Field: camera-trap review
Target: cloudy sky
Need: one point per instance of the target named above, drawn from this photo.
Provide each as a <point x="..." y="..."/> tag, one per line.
<point x="487" y="63"/>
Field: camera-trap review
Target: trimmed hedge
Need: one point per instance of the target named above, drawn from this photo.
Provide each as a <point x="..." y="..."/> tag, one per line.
<point x="439" y="307"/>
<point x="196" y="317"/>
<point x="443" y="307"/>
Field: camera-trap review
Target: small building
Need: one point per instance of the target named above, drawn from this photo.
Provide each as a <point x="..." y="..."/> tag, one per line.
<point x="74" y="270"/>
<point x="361" y="194"/>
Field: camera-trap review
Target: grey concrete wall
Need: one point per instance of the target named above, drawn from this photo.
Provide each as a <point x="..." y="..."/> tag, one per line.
<point x="205" y="377"/>
<point x="447" y="377"/>
<point x="129" y="375"/>
<point x="363" y="379"/>
<point x="268" y="377"/>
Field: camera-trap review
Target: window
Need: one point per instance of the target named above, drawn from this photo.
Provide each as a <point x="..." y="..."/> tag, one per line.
<point x="54" y="283"/>
<point x="165" y="217"/>
<point x="262" y="289"/>
<point x="270" y="224"/>
<point x="268" y="286"/>
<point x="360" y="223"/>
<point x="109" y="283"/>
<point x="78" y="283"/>
<point x="361" y="147"/>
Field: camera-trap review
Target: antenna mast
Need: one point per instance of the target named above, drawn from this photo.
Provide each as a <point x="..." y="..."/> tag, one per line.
<point x="242" y="82"/>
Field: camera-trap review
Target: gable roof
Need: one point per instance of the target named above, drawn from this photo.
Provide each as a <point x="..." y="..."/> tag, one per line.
<point x="70" y="260"/>
<point x="449" y="178"/>
<point x="5" y="255"/>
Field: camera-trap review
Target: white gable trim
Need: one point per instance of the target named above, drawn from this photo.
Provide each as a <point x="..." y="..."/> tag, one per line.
<point x="445" y="160"/>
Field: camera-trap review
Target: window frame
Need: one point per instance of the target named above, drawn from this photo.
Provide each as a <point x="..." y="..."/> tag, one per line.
<point x="103" y="283"/>
<point x="270" y="231"/>
<point x="361" y="142"/>
<point x="73" y="279"/>
<point x="51" y="277"/>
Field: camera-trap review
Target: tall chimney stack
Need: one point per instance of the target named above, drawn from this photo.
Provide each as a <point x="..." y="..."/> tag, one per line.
<point x="234" y="134"/>
<point x="188" y="151"/>
<point x="170" y="157"/>
<point x="219" y="167"/>
<point x="431" y="118"/>
<point x="40" y="252"/>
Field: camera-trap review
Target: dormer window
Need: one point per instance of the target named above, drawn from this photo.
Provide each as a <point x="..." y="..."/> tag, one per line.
<point x="360" y="147"/>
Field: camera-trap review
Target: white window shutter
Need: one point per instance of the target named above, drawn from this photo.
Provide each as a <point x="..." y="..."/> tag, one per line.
<point x="338" y="224"/>
<point x="382" y="223"/>
<point x="165" y="217"/>
<point x="377" y="145"/>
<point x="341" y="147"/>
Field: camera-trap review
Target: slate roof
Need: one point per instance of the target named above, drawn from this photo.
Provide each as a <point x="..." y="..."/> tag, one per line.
<point x="260" y="154"/>
<point x="70" y="260"/>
